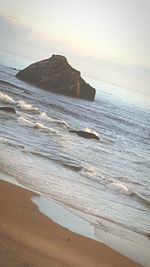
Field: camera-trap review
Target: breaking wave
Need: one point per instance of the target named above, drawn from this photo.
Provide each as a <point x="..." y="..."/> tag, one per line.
<point x="25" y="122"/>
<point x="25" y="106"/>
<point x="123" y="189"/>
<point x="44" y="116"/>
<point x="119" y="188"/>
<point x="40" y="126"/>
<point x="6" y="98"/>
<point x="36" y="125"/>
<point x="88" y="172"/>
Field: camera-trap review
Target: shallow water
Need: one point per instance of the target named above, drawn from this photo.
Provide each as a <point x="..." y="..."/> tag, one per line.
<point x="107" y="178"/>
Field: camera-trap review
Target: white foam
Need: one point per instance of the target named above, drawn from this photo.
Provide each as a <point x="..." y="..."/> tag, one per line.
<point x="26" y="106"/>
<point x="119" y="187"/>
<point x="42" y="127"/>
<point x="88" y="171"/>
<point x="44" y="116"/>
<point x="39" y="125"/>
<point x="25" y="122"/>
<point x="29" y="123"/>
<point x="6" y="98"/>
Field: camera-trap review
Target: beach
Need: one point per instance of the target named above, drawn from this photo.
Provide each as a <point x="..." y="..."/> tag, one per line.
<point x="95" y="188"/>
<point x="28" y="238"/>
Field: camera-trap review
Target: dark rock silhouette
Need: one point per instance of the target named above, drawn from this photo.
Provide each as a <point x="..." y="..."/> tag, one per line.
<point x="8" y="109"/>
<point x="56" y="75"/>
<point x="85" y="134"/>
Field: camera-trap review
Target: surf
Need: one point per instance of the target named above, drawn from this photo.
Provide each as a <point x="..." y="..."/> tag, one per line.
<point x="6" y="98"/>
<point x="26" y="106"/>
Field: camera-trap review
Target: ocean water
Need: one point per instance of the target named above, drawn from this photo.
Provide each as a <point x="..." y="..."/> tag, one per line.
<point x="107" y="179"/>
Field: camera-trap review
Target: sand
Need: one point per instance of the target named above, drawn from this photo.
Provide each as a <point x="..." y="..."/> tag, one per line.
<point x="28" y="238"/>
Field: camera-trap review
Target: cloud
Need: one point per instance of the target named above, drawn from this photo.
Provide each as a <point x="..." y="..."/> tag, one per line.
<point x="22" y="40"/>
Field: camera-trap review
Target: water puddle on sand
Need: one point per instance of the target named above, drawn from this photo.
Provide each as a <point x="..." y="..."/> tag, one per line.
<point x="98" y="229"/>
<point x="59" y="214"/>
<point x="114" y="236"/>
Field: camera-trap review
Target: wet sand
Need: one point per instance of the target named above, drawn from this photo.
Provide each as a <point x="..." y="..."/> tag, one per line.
<point x="28" y="238"/>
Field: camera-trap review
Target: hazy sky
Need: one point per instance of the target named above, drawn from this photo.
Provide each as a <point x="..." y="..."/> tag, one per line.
<point x="106" y="39"/>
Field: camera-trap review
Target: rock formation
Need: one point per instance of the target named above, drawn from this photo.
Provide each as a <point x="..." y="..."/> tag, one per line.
<point x="56" y="75"/>
<point x="8" y="109"/>
<point x="85" y="134"/>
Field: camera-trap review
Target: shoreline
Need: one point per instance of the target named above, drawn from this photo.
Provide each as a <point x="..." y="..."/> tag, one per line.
<point x="30" y="238"/>
<point x="124" y="241"/>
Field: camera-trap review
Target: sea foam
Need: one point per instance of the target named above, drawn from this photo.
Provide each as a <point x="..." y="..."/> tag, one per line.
<point x="26" y="106"/>
<point x="119" y="188"/>
<point x="44" y="128"/>
<point x="36" y="125"/>
<point x="25" y="122"/>
<point x="45" y="117"/>
<point x="6" y="98"/>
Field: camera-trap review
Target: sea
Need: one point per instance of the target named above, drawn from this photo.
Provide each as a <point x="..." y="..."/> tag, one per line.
<point x="105" y="182"/>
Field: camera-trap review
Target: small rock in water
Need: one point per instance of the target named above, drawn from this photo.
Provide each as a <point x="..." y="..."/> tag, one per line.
<point x="85" y="134"/>
<point x="8" y="109"/>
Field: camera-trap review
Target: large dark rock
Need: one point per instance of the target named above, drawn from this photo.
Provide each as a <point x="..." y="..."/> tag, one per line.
<point x="55" y="74"/>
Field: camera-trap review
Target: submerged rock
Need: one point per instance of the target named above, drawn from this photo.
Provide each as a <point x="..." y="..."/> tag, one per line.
<point x="85" y="134"/>
<point x="8" y="109"/>
<point x="56" y="75"/>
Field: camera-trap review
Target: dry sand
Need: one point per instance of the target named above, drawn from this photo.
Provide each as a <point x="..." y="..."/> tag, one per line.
<point x="29" y="239"/>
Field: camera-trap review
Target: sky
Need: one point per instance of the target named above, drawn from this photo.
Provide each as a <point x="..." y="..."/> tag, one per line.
<point x="105" y="39"/>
